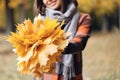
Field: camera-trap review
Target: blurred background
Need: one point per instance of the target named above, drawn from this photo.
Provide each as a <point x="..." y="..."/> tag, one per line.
<point x="101" y="57"/>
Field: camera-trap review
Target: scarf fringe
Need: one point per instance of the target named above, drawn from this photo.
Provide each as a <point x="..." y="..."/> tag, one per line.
<point x="67" y="71"/>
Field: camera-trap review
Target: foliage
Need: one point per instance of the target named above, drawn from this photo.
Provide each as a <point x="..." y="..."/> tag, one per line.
<point x="17" y="3"/>
<point x="2" y="14"/>
<point x="102" y="7"/>
<point x="99" y="7"/>
<point x="38" y="45"/>
<point x="86" y="5"/>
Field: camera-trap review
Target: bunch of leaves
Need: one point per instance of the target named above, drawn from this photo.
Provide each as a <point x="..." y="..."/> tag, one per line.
<point x="38" y="45"/>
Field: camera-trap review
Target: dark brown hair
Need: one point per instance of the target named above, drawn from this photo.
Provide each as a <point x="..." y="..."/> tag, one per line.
<point x="39" y="6"/>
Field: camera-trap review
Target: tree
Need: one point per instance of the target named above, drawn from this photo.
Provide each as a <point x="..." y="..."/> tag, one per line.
<point x="10" y="18"/>
<point x="119" y="13"/>
<point x="2" y="15"/>
<point x="23" y="6"/>
<point x="7" y="10"/>
<point x="101" y="8"/>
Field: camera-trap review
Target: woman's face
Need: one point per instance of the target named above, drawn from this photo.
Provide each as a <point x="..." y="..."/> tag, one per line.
<point x="53" y="4"/>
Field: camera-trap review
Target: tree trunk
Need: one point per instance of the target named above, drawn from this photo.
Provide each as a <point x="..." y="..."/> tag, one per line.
<point x="9" y="18"/>
<point x="22" y="13"/>
<point x="104" y="24"/>
<point x="119" y="16"/>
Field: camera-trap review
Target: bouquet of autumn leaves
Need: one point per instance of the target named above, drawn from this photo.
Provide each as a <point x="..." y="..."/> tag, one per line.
<point x="38" y="45"/>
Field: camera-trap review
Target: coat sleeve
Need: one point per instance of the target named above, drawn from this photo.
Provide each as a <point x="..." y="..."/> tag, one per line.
<point x="82" y="34"/>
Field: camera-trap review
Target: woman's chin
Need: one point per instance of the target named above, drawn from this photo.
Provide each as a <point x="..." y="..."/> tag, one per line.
<point x="55" y="8"/>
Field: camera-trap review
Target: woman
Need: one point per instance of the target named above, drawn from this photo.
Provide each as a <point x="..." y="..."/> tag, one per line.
<point x="78" y="24"/>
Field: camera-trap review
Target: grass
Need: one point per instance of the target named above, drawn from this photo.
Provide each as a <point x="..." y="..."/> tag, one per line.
<point x="101" y="59"/>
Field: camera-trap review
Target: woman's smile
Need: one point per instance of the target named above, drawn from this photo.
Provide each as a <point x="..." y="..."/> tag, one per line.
<point x="53" y="4"/>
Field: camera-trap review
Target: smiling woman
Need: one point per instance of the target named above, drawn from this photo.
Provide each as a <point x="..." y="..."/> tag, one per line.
<point x="76" y="23"/>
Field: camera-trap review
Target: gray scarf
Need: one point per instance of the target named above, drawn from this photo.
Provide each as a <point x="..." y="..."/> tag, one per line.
<point x="71" y="17"/>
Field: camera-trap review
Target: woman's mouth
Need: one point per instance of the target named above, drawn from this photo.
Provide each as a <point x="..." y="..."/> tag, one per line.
<point x="52" y="3"/>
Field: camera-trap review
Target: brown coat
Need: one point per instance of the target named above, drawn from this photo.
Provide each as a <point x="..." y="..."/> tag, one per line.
<point x="81" y="38"/>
